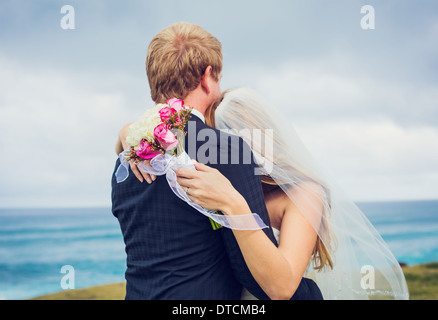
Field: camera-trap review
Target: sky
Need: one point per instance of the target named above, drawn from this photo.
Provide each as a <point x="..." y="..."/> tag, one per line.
<point x="364" y="101"/>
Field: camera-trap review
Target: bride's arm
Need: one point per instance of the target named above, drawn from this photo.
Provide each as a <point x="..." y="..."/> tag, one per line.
<point x="121" y="141"/>
<point x="278" y="271"/>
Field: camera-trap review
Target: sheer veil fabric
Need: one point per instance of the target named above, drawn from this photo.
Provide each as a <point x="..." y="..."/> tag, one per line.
<point x="363" y="265"/>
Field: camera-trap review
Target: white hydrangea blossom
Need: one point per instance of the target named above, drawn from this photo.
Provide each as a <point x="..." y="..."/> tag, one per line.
<point x="144" y="127"/>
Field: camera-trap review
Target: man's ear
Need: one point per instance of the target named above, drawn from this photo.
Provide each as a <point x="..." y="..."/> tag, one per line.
<point x="205" y="79"/>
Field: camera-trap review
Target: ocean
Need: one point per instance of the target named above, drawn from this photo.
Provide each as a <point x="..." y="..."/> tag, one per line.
<point x="35" y="244"/>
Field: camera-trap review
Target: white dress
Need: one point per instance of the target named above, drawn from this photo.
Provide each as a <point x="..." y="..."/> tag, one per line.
<point x="246" y="295"/>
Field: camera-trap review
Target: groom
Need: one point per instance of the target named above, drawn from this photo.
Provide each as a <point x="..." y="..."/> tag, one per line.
<point x="172" y="250"/>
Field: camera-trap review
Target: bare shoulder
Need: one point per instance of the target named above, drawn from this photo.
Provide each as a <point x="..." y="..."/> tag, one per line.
<point x="126" y="127"/>
<point x="304" y="194"/>
<point x="276" y="203"/>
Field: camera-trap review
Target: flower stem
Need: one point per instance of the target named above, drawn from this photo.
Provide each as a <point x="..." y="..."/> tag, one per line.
<point x="215" y="225"/>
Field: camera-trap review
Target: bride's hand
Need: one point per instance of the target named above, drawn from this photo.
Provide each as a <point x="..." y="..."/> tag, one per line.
<point x="140" y="175"/>
<point x="209" y="188"/>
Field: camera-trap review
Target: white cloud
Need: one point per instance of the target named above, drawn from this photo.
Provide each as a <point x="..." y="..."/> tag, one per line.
<point x="339" y="86"/>
<point x="58" y="134"/>
<point x="379" y="138"/>
<point x="377" y="160"/>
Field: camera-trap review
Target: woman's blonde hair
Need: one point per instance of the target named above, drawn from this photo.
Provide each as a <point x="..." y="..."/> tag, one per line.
<point x="321" y="254"/>
<point x="177" y="58"/>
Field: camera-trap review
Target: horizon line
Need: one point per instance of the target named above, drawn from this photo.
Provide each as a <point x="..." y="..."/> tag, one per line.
<point x="109" y="205"/>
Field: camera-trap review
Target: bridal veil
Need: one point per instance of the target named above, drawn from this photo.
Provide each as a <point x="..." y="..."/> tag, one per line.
<point x="363" y="265"/>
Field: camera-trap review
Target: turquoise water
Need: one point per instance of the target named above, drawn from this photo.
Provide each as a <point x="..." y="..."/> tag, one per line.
<point x="36" y="243"/>
<point x="409" y="228"/>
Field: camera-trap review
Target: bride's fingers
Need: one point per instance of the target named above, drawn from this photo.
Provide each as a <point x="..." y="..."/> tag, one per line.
<point x="201" y="166"/>
<point x="147" y="175"/>
<point x="187" y="173"/>
<point x="140" y="175"/>
<point x="186" y="183"/>
<point x="135" y="171"/>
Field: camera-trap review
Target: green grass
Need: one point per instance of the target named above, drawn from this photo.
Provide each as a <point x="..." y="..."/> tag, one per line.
<point x="114" y="291"/>
<point x="422" y="282"/>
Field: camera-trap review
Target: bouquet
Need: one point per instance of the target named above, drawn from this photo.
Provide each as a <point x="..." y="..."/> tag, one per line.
<point x="159" y="131"/>
<point x="159" y="136"/>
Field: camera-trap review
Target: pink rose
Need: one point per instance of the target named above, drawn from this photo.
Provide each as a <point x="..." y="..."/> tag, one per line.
<point x="165" y="113"/>
<point x="176" y="104"/>
<point x="166" y="138"/>
<point x="146" y="151"/>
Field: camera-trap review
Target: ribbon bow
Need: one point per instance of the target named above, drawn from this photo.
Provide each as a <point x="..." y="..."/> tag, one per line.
<point x="167" y="165"/>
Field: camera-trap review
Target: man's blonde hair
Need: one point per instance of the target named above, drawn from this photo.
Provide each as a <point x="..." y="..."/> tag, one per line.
<point x="178" y="57"/>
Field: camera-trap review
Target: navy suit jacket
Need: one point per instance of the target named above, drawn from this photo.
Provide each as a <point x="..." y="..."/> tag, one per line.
<point x="172" y="251"/>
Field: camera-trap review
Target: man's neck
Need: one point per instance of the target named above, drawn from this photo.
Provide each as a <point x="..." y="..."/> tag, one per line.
<point x="195" y="106"/>
<point x="196" y="103"/>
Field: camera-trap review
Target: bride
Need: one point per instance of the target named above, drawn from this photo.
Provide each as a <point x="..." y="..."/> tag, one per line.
<point x="321" y="234"/>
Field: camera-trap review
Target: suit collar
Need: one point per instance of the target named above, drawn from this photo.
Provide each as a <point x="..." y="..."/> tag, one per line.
<point x="199" y="115"/>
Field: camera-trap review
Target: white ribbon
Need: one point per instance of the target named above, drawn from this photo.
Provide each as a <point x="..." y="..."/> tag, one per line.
<point x="167" y="165"/>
